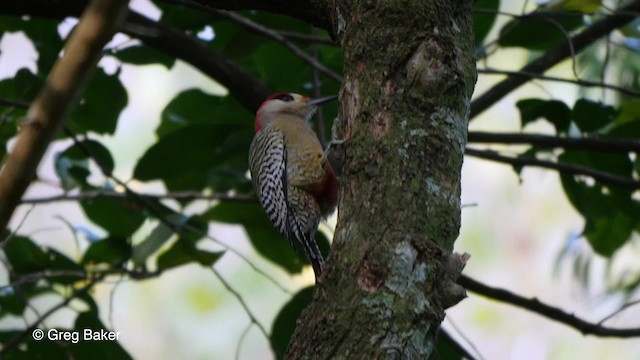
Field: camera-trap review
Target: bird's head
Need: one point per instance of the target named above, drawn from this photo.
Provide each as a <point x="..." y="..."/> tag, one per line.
<point x="288" y="103"/>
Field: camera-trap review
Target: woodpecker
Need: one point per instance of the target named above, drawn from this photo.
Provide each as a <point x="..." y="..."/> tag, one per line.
<point x="291" y="175"/>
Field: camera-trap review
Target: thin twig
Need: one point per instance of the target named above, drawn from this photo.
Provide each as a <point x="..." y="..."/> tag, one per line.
<point x="265" y="31"/>
<point x="562" y="167"/>
<point x="580" y="82"/>
<point x="555" y="55"/>
<point x="454" y="344"/>
<point x="242" y="303"/>
<point x="313" y="39"/>
<point x="241" y="340"/>
<point x="111" y="194"/>
<point x="463" y="336"/>
<point x="534" y="305"/>
<point x="621" y="309"/>
<point x="550" y="142"/>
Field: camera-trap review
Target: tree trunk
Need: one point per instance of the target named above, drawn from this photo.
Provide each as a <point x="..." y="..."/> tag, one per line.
<point x="409" y="74"/>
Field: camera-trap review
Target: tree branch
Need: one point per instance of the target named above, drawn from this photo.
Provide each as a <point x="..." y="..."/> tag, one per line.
<point x="550" y="142"/>
<point x="579" y="82"/>
<point x="312" y="12"/>
<point x="562" y="167"/>
<point x="555" y="55"/>
<point x="265" y="31"/>
<point x="182" y="195"/>
<point x="57" y="98"/>
<point x="242" y="85"/>
<point x="545" y="310"/>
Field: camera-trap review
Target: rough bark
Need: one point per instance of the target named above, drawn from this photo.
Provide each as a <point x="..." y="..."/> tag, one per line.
<point x="409" y="74"/>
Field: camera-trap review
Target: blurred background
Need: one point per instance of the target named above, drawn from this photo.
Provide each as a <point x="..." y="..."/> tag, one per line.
<point x="521" y="231"/>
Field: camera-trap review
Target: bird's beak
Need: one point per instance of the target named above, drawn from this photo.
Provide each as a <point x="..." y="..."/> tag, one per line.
<point x="322" y="100"/>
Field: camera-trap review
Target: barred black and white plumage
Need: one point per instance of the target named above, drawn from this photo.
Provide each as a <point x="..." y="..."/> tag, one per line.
<point x="292" y="179"/>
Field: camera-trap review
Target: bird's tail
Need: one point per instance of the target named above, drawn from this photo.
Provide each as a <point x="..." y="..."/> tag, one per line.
<point x="307" y="243"/>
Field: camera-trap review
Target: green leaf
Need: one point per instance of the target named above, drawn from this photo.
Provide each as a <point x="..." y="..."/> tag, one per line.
<point x="211" y="148"/>
<point x="554" y="111"/>
<point x="102" y="103"/>
<point x="72" y="173"/>
<point x="22" y="88"/>
<point x="629" y="111"/>
<point x="539" y="31"/>
<point x="43" y="34"/>
<point x="184" y="252"/>
<point x="60" y="262"/>
<point x="583" y="6"/>
<point x="72" y="164"/>
<point x="24" y="256"/>
<point x="10" y="303"/>
<point x="627" y="130"/>
<point x="285" y="322"/>
<point x="112" y="250"/>
<point x="144" y="55"/>
<point x="156" y="239"/>
<point x="263" y="236"/>
<point x="610" y="212"/>
<point x="484" y="16"/>
<point x="197" y="107"/>
<point x="590" y="116"/>
<point x="183" y="17"/>
<point x="445" y="349"/>
<point x="95" y="349"/>
<point x="280" y="70"/>
<point x="119" y="217"/>
<point x="606" y="235"/>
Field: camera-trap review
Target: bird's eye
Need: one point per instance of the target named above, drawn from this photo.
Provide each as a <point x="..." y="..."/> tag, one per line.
<point x="284" y="97"/>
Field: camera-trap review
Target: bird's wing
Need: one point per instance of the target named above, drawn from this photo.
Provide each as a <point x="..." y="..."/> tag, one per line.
<point x="269" y="175"/>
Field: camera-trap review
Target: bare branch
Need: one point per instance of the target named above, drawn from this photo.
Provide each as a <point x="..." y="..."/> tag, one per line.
<point x="562" y="167"/>
<point x="180" y="195"/>
<point x="579" y="82"/>
<point x="555" y="55"/>
<point x="313" y="12"/>
<point x="550" y="142"/>
<point x="265" y="31"/>
<point x="313" y="39"/>
<point x="534" y="305"/>
<point x="621" y="309"/>
<point x="242" y="85"/>
<point x="244" y="305"/>
<point x="57" y="98"/>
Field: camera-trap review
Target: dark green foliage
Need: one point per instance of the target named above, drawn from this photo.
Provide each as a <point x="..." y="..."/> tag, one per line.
<point x="264" y="237"/>
<point x="484" y="17"/>
<point x="610" y="212"/>
<point x="285" y="323"/>
<point x="202" y="144"/>
<point x="143" y="55"/>
<point x="102" y="103"/>
<point x="554" y="111"/>
<point x="540" y="31"/>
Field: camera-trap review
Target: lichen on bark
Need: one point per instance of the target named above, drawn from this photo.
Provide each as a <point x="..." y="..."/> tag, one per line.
<point x="409" y="74"/>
